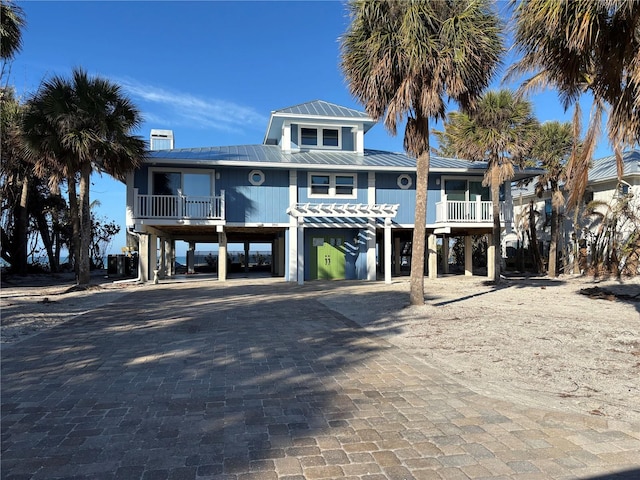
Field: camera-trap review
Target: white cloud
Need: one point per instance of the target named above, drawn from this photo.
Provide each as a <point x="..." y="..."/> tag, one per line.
<point x="187" y="109"/>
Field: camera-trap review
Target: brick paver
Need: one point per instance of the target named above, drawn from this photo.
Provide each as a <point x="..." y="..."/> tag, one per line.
<point x="254" y="379"/>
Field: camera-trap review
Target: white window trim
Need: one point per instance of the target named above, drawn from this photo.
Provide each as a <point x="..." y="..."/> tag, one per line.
<point x="407" y="177"/>
<point x="319" y="145"/>
<point x="182" y="171"/>
<point x="253" y="182"/>
<point x="332" y="185"/>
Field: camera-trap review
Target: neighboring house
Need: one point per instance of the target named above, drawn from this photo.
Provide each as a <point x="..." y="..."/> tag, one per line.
<point x="330" y="208"/>
<point x="603" y="187"/>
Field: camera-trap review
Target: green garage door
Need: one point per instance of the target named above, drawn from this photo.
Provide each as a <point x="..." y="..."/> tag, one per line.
<point x="327" y="258"/>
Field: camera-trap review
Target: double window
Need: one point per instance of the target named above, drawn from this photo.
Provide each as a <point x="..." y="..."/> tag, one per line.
<point x="320" y="137"/>
<point x="332" y="185"/>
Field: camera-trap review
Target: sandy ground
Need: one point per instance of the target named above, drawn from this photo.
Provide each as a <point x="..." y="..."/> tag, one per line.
<point x="536" y="341"/>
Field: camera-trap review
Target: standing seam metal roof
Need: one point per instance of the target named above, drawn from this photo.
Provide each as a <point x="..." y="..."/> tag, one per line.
<point x="254" y="155"/>
<point x="324" y="109"/>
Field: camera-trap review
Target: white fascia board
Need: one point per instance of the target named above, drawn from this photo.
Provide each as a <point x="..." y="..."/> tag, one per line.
<point x="315" y="118"/>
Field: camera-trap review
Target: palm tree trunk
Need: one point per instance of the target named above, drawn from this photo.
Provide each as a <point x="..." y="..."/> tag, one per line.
<point x="495" y="204"/>
<point x="21" y="219"/>
<point x="553" y="243"/>
<point x="416" y="279"/>
<point x="74" y="212"/>
<point x="84" y="274"/>
<point x="533" y="244"/>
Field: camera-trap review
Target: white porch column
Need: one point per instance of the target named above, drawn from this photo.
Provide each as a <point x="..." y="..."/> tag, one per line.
<point x="371" y="250"/>
<point x="468" y="255"/>
<point x="445" y="254"/>
<point x="292" y="269"/>
<point x="222" y="254"/>
<point x="491" y="256"/>
<point x="153" y="255"/>
<point x="300" y="251"/>
<point x="432" y="247"/>
<point x="387" y="251"/>
<point x="191" y="258"/>
<point x="143" y="257"/>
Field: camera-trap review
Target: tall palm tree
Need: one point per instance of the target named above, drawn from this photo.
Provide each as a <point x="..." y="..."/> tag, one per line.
<point x="499" y="130"/>
<point x="552" y="149"/>
<point x="403" y="60"/>
<point x="12" y="21"/>
<point x="76" y="126"/>
<point x="585" y="46"/>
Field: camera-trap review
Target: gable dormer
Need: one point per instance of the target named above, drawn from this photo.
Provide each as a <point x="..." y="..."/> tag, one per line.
<point x="318" y="125"/>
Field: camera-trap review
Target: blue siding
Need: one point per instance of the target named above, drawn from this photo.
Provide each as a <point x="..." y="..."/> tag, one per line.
<point x="303" y="189"/>
<point x="388" y="191"/>
<point x="348" y="139"/>
<point x="266" y="203"/>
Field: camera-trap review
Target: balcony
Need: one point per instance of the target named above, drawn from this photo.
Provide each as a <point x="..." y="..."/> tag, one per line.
<point x="478" y="212"/>
<point x="178" y="207"/>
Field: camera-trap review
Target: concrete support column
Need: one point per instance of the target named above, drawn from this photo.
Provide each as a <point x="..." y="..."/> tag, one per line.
<point x="432" y="246"/>
<point x="396" y="255"/>
<point x="371" y="250"/>
<point x="222" y="255"/>
<point x="153" y="255"/>
<point x="169" y="263"/>
<point x="191" y="258"/>
<point x="293" y="253"/>
<point x="246" y="257"/>
<point x="300" y="251"/>
<point x="445" y="254"/>
<point x="162" y="270"/>
<point x="491" y="257"/>
<point x="468" y="255"/>
<point x="387" y="251"/>
<point x="143" y="257"/>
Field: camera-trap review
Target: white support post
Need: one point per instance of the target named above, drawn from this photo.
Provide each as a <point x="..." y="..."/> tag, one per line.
<point x="168" y="258"/>
<point x="300" y="236"/>
<point x="153" y="255"/>
<point x="387" y="250"/>
<point x="468" y="255"/>
<point x="433" y="256"/>
<point x="292" y="270"/>
<point x="143" y="257"/>
<point x="222" y="254"/>
<point x="371" y="250"/>
<point x="491" y="257"/>
<point x="191" y="258"/>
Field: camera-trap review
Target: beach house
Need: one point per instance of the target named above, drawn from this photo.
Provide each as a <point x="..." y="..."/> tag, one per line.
<point x="329" y="207"/>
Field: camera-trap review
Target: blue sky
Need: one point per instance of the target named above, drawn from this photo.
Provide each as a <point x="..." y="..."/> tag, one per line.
<point x="211" y="71"/>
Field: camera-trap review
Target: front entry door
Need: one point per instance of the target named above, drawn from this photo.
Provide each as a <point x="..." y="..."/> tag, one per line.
<point x="328" y="258"/>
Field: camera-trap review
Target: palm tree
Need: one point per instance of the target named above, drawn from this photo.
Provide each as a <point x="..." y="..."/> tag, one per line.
<point x="403" y="60"/>
<point x="499" y="130"/>
<point x="585" y="46"/>
<point x="12" y="21"/>
<point x="76" y="126"/>
<point x="553" y="147"/>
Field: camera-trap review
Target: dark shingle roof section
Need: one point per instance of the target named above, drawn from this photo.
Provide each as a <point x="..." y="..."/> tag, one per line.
<point x="323" y="109"/>
<point x="272" y="155"/>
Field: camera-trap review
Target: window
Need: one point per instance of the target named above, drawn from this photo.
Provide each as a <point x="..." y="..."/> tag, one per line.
<point x="256" y="177"/>
<point x="320" y="137"/>
<point x="332" y="185"/>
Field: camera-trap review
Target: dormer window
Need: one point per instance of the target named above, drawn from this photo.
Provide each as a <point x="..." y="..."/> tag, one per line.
<point x="320" y="137"/>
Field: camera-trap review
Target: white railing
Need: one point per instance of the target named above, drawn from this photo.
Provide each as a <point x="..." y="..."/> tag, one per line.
<point x="454" y="211"/>
<point x="180" y="206"/>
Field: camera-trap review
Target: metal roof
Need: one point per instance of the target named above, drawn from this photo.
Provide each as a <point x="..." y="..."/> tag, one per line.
<point x="605" y="168"/>
<point x="323" y="109"/>
<point x="602" y="170"/>
<point x="272" y="156"/>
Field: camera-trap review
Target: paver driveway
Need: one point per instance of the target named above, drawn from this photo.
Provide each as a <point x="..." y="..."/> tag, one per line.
<point x="259" y="380"/>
